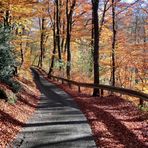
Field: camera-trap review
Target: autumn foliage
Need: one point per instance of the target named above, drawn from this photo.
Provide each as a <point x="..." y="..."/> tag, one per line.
<point x="96" y="41"/>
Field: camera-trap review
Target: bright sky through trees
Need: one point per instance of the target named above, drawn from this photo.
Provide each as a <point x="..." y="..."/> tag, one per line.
<point x="129" y="1"/>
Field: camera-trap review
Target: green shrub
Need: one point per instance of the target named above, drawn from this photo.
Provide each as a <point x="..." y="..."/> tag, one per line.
<point x="15" y="86"/>
<point x="8" y="96"/>
<point x="12" y="98"/>
<point x="144" y="107"/>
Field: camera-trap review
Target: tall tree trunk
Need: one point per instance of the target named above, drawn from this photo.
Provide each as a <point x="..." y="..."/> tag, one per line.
<point x="68" y="67"/>
<point x="54" y="45"/>
<point x="63" y="36"/>
<point x="53" y="56"/>
<point x="113" y="43"/>
<point x="69" y="14"/>
<point x="92" y="47"/>
<point x="58" y="30"/>
<point x="42" y="48"/>
<point x="95" y="4"/>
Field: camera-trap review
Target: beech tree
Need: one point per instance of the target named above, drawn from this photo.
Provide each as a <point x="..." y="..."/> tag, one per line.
<point x="53" y="22"/>
<point x="69" y="19"/>
<point x="95" y="4"/>
<point x="113" y="42"/>
<point x="42" y="40"/>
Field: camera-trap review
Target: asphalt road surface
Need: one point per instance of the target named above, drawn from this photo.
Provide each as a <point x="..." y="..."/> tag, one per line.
<point x="56" y="123"/>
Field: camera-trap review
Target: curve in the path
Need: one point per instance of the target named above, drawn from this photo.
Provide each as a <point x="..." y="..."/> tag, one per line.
<point x="57" y="122"/>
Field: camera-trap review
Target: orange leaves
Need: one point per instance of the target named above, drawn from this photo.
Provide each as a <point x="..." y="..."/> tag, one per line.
<point x="14" y="116"/>
<point x="106" y="36"/>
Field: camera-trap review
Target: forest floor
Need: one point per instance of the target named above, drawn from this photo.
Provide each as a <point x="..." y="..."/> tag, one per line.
<point x="14" y="115"/>
<point x="56" y="123"/>
<point x="115" y="122"/>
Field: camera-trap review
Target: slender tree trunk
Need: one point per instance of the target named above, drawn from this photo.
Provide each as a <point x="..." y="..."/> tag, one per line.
<point x="92" y="47"/>
<point x="63" y="33"/>
<point x="58" y="30"/>
<point x="65" y="45"/>
<point x="113" y="43"/>
<point x="69" y="14"/>
<point x="53" y="56"/>
<point x="145" y="66"/>
<point x="95" y="4"/>
<point x="42" y="48"/>
<point x="68" y="68"/>
<point x="34" y="60"/>
<point x="22" y="54"/>
<point x="54" y="46"/>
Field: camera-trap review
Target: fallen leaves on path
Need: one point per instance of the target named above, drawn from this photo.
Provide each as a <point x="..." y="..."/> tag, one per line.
<point x="14" y="116"/>
<point x="115" y="122"/>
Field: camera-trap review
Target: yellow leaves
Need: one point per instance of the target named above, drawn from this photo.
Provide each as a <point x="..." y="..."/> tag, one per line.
<point x="106" y="51"/>
<point x="23" y="39"/>
<point x="17" y="8"/>
<point x="20" y="9"/>
<point x="23" y="21"/>
<point x="27" y="57"/>
<point x="106" y="35"/>
<point x="17" y="48"/>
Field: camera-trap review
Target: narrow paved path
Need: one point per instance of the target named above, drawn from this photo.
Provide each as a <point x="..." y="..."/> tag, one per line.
<point x="57" y="122"/>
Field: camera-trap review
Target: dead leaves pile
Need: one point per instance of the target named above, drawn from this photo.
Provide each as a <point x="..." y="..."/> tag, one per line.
<point x="13" y="116"/>
<point x="115" y="122"/>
